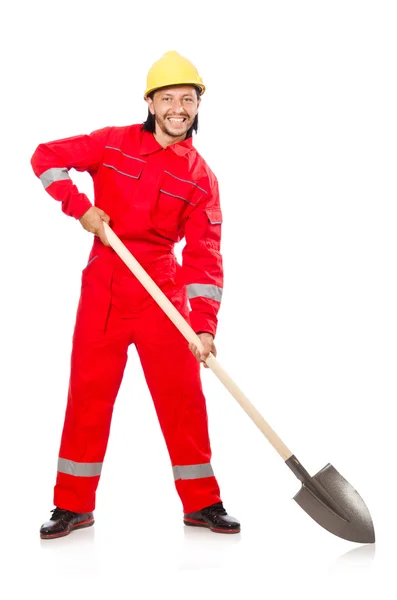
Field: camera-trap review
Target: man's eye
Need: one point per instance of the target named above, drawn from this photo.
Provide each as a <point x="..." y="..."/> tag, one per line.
<point x="188" y="100"/>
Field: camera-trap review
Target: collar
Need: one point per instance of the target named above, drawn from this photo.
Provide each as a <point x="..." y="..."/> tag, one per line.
<point x="149" y="144"/>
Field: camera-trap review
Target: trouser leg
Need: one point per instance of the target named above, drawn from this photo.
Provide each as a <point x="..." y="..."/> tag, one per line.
<point x="99" y="355"/>
<point x="173" y="377"/>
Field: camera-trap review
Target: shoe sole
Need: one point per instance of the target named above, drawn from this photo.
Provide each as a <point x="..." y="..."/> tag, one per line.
<point x="51" y="536"/>
<point x="194" y="523"/>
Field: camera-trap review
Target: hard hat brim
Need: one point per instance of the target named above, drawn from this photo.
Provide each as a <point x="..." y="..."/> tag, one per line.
<point x="199" y="86"/>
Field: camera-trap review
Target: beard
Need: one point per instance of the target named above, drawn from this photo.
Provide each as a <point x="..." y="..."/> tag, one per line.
<point x="177" y="132"/>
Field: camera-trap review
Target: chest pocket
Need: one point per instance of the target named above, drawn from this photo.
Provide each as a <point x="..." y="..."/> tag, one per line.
<point x="175" y="200"/>
<point x="123" y="169"/>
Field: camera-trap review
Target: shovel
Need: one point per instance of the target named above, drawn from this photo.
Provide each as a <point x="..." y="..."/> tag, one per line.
<point x="326" y="497"/>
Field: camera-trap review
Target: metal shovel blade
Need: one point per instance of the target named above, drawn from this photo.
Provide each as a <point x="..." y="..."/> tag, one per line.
<point x="335" y="505"/>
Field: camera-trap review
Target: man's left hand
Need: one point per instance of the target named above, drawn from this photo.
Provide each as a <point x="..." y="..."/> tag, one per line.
<point x="207" y="339"/>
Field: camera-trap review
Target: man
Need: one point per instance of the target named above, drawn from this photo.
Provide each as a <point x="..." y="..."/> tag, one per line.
<point x="153" y="188"/>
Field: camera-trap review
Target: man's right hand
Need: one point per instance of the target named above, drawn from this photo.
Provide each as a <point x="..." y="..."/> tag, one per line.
<point x="92" y="221"/>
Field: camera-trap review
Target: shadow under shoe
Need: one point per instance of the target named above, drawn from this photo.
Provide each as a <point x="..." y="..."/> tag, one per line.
<point x="213" y="517"/>
<point x="63" y="522"/>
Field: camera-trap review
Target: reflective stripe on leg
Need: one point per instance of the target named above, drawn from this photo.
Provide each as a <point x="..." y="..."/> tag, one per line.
<point x="193" y="471"/>
<point x="78" y="469"/>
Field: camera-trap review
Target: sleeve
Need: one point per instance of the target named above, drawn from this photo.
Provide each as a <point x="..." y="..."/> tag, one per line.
<point x="202" y="265"/>
<point x="52" y="161"/>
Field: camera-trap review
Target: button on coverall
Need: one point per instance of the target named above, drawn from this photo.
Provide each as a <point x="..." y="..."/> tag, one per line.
<point x="155" y="197"/>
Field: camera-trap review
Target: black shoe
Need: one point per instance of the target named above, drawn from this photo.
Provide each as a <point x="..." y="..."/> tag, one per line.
<point x="215" y="518"/>
<point x="63" y="522"/>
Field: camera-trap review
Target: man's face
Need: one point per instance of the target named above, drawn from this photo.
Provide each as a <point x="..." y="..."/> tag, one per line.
<point x="174" y="109"/>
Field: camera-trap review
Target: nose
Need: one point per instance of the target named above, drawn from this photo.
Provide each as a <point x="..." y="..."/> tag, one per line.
<point x="177" y="105"/>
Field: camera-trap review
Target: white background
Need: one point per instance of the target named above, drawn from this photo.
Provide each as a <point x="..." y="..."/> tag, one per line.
<point x="299" y="124"/>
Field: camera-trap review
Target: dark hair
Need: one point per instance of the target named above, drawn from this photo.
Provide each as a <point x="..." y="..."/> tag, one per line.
<point x="150" y="123"/>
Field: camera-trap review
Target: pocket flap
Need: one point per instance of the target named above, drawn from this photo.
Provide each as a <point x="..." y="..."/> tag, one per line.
<point x="177" y="187"/>
<point x="214" y="215"/>
<point x="125" y="164"/>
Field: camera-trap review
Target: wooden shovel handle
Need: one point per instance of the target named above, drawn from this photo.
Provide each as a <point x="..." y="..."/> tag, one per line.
<point x="191" y="336"/>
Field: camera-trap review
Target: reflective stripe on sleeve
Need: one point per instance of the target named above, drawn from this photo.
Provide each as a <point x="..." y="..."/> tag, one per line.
<point x="193" y="471"/>
<point x="54" y="174"/>
<point x="203" y="289"/>
<point x="79" y="469"/>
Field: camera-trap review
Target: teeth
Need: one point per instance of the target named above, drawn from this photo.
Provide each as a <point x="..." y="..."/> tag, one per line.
<point x="176" y="120"/>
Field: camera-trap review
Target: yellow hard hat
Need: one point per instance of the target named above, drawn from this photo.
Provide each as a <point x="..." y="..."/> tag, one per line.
<point x="173" y="69"/>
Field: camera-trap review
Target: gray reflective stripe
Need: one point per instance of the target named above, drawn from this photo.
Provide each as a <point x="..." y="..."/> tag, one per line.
<point x="54" y="174"/>
<point x="175" y="196"/>
<point x="78" y="469"/>
<point x="124" y="154"/>
<point x="187" y="181"/>
<point x="90" y="261"/>
<point x="203" y="289"/>
<point x="122" y="172"/>
<point x="193" y="471"/>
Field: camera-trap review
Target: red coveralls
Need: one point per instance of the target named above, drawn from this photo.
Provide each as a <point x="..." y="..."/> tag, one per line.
<point x="154" y="197"/>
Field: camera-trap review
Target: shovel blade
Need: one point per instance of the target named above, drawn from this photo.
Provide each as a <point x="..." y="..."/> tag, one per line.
<point x="349" y="517"/>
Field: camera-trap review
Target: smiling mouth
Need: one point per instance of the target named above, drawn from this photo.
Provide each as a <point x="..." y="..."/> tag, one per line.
<point x="176" y="120"/>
